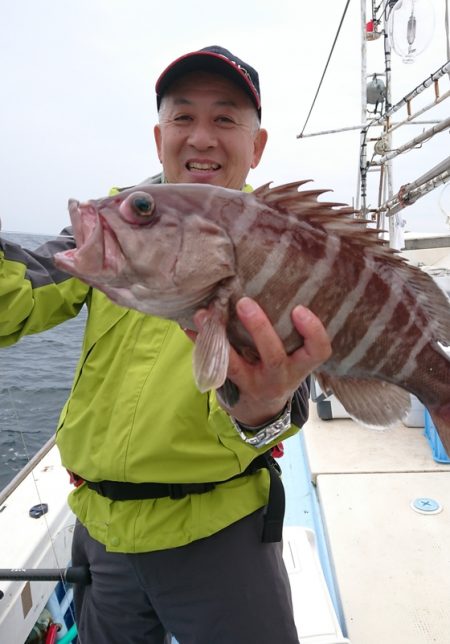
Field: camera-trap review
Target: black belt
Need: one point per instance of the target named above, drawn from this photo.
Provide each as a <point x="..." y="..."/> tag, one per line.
<point x="273" y="521"/>
<point x="117" y="491"/>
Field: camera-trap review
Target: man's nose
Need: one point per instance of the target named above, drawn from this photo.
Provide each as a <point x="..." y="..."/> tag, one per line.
<point x="202" y="136"/>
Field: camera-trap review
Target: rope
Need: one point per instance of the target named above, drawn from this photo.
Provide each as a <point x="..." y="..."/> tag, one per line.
<point x="326" y="67"/>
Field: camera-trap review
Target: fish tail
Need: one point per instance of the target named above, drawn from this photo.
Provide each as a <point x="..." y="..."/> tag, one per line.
<point x="441" y="419"/>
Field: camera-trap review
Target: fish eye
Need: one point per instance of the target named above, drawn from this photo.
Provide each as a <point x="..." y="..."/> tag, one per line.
<point x="142" y="204"/>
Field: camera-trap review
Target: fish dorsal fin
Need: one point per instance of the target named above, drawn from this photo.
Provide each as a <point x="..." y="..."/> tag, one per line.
<point x="303" y="203"/>
<point x="331" y="217"/>
<point x="373" y="403"/>
<point x="273" y="195"/>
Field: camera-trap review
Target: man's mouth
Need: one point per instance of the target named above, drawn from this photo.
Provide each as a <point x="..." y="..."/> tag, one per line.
<point x="202" y="167"/>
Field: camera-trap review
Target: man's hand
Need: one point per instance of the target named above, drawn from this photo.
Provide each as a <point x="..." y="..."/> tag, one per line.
<point x="265" y="387"/>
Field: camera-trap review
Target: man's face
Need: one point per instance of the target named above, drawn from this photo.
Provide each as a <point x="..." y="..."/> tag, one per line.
<point x="208" y="132"/>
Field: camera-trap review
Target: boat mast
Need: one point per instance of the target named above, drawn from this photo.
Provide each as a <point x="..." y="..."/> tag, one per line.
<point x="391" y="204"/>
<point x="360" y="189"/>
<point x="396" y="238"/>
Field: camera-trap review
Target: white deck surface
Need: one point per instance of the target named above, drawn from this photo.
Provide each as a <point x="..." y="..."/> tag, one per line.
<point x="392" y="564"/>
<point x="341" y="446"/>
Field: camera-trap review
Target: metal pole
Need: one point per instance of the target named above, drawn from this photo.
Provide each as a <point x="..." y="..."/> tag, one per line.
<point x="408" y="194"/>
<point x="447" y="32"/>
<point x="415" y="92"/>
<point x="443" y="125"/>
<point x="360" y="187"/>
<point x="409" y="120"/>
<point x="360" y="127"/>
<point x="443" y="166"/>
<point x="394" y="240"/>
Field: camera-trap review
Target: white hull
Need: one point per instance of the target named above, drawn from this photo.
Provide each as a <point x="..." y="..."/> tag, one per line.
<point x="27" y="542"/>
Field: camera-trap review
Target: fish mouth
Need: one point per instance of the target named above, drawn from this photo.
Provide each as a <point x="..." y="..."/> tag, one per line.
<point x="98" y="251"/>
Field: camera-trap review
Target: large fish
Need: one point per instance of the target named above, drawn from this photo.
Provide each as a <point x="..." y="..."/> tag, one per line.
<point x="169" y="250"/>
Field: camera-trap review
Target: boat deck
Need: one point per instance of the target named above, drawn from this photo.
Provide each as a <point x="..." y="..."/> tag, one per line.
<point x="391" y="562"/>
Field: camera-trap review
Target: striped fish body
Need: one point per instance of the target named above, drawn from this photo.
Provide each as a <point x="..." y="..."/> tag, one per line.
<point x="168" y="250"/>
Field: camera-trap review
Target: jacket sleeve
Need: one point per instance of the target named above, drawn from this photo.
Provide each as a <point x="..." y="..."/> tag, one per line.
<point x="300" y="404"/>
<point x="34" y="294"/>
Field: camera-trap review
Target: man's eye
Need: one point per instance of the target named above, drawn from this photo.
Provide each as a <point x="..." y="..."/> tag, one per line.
<point x="183" y="117"/>
<point x="225" y="120"/>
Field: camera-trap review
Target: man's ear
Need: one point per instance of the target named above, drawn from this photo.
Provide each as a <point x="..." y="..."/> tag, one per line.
<point x="258" y="146"/>
<point x="158" y="140"/>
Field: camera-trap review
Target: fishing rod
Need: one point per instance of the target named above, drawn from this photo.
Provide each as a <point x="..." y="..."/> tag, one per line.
<point x="70" y="575"/>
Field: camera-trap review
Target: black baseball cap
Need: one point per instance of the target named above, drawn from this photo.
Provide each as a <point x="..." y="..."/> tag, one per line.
<point x="216" y="60"/>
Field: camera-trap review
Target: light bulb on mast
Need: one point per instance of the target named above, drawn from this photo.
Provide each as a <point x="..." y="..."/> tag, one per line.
<point x="410" y="27"/>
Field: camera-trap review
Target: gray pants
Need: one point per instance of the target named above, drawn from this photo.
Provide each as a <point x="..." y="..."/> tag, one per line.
<point x="227" y="589"/>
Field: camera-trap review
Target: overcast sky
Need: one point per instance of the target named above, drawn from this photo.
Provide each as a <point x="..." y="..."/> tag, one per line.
<point x="77" y="104"/>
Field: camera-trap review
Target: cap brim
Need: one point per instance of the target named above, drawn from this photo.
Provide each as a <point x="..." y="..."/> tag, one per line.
<point x="209" y="62"/>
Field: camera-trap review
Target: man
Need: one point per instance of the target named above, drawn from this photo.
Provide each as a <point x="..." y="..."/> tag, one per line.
<point x="179" y="521"/>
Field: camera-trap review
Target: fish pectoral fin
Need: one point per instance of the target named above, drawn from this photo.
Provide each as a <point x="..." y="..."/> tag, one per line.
<point x="373" y="403"/>
<point x="211" y="353"/>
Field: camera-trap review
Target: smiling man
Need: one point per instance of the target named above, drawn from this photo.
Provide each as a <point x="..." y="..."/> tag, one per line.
<point x="209" y="107"/>
<point x="179" y="514"/>
<point x="209" y="131"/>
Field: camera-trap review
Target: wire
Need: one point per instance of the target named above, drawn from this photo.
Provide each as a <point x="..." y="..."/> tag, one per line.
<point x="326" y="67"/>
<point x="447" y="31"/>
<point x="52" y="634"/>
<point x="388" y="8"/>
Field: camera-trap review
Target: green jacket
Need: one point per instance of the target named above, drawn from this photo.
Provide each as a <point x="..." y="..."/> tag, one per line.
<point x="134" y="413"/>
